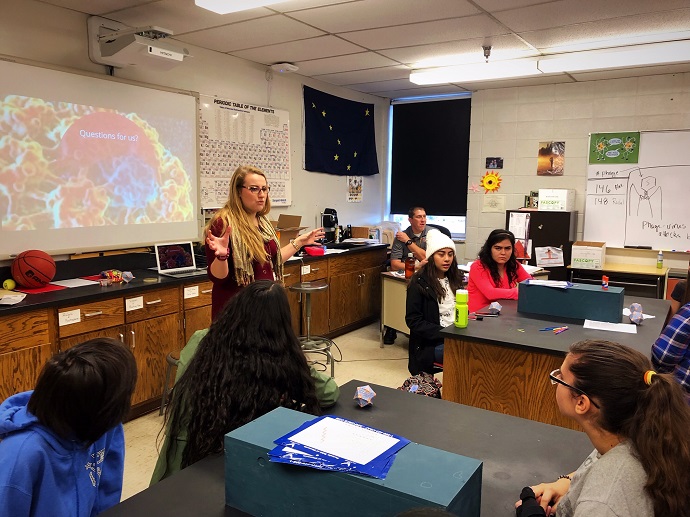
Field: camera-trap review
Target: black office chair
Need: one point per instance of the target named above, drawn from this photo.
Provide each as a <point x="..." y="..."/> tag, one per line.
<point x="441" y="229"/>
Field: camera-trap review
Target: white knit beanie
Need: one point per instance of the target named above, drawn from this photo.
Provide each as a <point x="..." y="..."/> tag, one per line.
<point x="435" y="240"/>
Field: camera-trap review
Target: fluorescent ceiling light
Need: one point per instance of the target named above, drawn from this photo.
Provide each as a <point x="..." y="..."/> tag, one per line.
<point x="477" y="72"/>
<point x="639" y="55"/>
<point x="232" y="6"/>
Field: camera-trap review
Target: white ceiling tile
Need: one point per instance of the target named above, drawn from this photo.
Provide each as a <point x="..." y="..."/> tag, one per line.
<point x="502" y="5"/>
<point x="568" y="12"/>
<point x="181" y="16"/>
<point x="606" y="33"/>
<point x="296" y="5"/>
<point x="459" y="52"/>
<point x="379" y="86"/>
<point x="91" y="7"/>
<point x="366" y="76"/>
<point x="368" y="14"/>
<point x="301" y="50"/>
<point x="350" y="62"/>
<point x="252" y="33"/>
<point x="426" y="32"/>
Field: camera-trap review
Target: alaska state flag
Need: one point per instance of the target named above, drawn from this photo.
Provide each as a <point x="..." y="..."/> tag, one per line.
<point x="339" y="135"/>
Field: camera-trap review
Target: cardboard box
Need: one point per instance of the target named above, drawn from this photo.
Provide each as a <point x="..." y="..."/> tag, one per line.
<point x="420" y="476"/>
<point x="360" y="232"/>
<point x="556" y="200"/>
<point x="581" y="301"/>
<point x="287" y="227"/>
<point x="588" y="255"/>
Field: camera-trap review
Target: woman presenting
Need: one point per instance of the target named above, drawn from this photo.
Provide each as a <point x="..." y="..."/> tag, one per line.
<point x="497" y="272"/>
<point x="241" y="244"/>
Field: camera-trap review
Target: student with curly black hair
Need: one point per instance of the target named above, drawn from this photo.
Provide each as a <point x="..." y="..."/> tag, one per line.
<point x="249" y="363"/>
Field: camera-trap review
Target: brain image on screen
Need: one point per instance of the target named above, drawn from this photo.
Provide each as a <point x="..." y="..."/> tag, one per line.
<point x="64" y="165"/>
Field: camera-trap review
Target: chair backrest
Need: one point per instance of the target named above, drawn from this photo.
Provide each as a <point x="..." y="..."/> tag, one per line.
<point x="442" y="229"/>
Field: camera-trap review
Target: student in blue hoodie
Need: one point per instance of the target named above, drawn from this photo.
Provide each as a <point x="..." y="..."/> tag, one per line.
<point x="62" y="445"/>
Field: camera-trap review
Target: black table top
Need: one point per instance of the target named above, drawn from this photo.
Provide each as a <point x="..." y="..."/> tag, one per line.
<point x="503" y="330"/>
<point x="516" y="452"/>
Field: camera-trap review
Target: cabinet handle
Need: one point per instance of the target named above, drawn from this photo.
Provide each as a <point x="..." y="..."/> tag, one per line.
<point x="364" y="277"/>
<point x="206" y="291"/>
<point x="134" y="340"/>
<point x="89" y="314"/>
<point x="287" y="275"/>
<point x="122" y="337"/>
<point x="153" y="301"/>
<point x="315" y="269"/>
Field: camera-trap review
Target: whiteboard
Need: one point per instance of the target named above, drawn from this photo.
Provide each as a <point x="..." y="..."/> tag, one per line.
<point x="646" y="204"/>
<point x="233" y="133"/>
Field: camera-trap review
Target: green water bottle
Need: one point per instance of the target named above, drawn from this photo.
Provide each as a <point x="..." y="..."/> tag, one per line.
<point x="461" y="310"/>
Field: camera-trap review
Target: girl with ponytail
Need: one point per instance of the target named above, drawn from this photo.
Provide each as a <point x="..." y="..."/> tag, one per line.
<point x="639" y="424"/>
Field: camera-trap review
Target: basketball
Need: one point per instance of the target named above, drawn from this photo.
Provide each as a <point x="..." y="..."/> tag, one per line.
<point x="33" y="268"/>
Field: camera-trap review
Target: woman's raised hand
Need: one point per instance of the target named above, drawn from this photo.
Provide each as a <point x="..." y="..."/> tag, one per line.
<point x="312" y="236"/>
<point x="219" y="245"/>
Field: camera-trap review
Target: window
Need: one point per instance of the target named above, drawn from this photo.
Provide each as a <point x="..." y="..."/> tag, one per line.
<point x="429" y="159"/>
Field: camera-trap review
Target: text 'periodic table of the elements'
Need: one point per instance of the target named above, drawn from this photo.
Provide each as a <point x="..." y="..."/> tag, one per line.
<point x="231" y="134"/>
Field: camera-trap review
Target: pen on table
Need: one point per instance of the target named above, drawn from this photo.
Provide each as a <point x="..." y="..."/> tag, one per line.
<point x="562" y="329"/>
<point x="486" y="314"/>
<point x="548" y="328"/>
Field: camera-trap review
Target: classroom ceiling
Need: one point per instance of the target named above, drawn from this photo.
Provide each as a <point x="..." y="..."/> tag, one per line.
<point x="372" y="45"/>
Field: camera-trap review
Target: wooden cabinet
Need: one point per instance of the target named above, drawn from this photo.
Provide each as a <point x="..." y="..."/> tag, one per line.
<point x="196" y="299"/>
<point x="25" y="346"/>
<point x="355" y="287"/>
<point x="79" y="323"/>
<point x="318" y="272"/>
<point x="291" y="274"/>
<point x="153" y="330"/>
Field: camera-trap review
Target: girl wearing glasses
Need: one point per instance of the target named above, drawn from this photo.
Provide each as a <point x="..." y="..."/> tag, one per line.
<point x="241" y="244"/>
<point x="430" y="302"/>
<point x="496" y="273"/>
<point x="638" y="422"/>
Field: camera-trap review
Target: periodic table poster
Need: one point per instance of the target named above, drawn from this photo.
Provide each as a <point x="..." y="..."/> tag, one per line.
<point x="234" y="133"/>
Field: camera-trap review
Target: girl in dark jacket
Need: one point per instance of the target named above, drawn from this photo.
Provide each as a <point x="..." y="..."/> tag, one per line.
<point x="431" y="302"/>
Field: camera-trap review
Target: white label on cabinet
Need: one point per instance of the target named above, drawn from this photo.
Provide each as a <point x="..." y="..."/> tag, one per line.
<point x="69" y="317"/>
<point x="132" y="304"/>
<point x="191" y="292"/>
<point x="306" y="269"/>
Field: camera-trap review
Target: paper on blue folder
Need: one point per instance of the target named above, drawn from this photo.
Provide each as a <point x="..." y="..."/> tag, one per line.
<point x="333" y="443"/>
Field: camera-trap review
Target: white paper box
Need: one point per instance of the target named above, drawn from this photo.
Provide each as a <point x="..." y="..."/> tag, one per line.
<point x="556" y="200"/>
<point x="588" y="255"/>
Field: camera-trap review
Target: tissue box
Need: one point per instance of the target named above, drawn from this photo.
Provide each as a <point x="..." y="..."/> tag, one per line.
<point x="287" y="227"/>
<point x="556" y="200"/>
<point x="420" y="476"/>
<point x="588" y="255"/>
<point x="581" y="301"/>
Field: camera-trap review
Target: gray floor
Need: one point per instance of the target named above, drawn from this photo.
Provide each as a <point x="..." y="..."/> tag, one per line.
<point x="362" y="359"/>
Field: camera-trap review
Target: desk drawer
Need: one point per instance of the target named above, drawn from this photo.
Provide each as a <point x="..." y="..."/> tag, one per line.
<point x="317" y="271"/>
<point x="24" y="331"/>
<point x="151" y="304"/>
<point x="291" y="274"/>
<point x="86" y="317"/>
<point x="197" y="294"/>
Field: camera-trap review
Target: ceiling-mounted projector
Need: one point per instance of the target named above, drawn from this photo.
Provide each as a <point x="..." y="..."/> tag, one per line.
<point x="284" y="68"/>
<point x="112" y="43"/>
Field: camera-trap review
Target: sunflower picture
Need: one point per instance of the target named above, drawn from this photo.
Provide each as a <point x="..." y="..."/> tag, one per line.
<point x="491" y="181"/>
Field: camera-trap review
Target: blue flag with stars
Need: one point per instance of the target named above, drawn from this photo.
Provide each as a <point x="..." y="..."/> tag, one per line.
<point x="339" y="135"/>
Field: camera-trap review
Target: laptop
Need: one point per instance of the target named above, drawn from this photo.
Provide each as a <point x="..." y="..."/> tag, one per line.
<point x="177" y="260"/>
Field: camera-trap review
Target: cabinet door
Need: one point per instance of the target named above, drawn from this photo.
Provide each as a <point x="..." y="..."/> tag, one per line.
<point x="344" y="299"/>
<point x="151" y="341"/>
<point x="113" y="332"/>
<point x="24" y="348"/>
<point x="196" y="319"/>
<point x="291" y="277"/>
<point x="371" y="292"/>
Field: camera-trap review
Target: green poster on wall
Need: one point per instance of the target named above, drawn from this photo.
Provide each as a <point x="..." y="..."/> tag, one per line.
<point x="614" y="148"/>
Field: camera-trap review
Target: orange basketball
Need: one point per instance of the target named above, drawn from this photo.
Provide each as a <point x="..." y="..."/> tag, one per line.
<point x="33" y="268"/>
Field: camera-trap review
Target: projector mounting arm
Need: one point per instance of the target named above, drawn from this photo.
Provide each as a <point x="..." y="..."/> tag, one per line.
<point x="151" y="32"/>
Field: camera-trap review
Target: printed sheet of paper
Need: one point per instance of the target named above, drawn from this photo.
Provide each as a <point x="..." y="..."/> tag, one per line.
<point x="74" y="282"/>
<point x="549" y="256"/>
<point x="628" y="328"/>
<point x="345" y="440"/>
